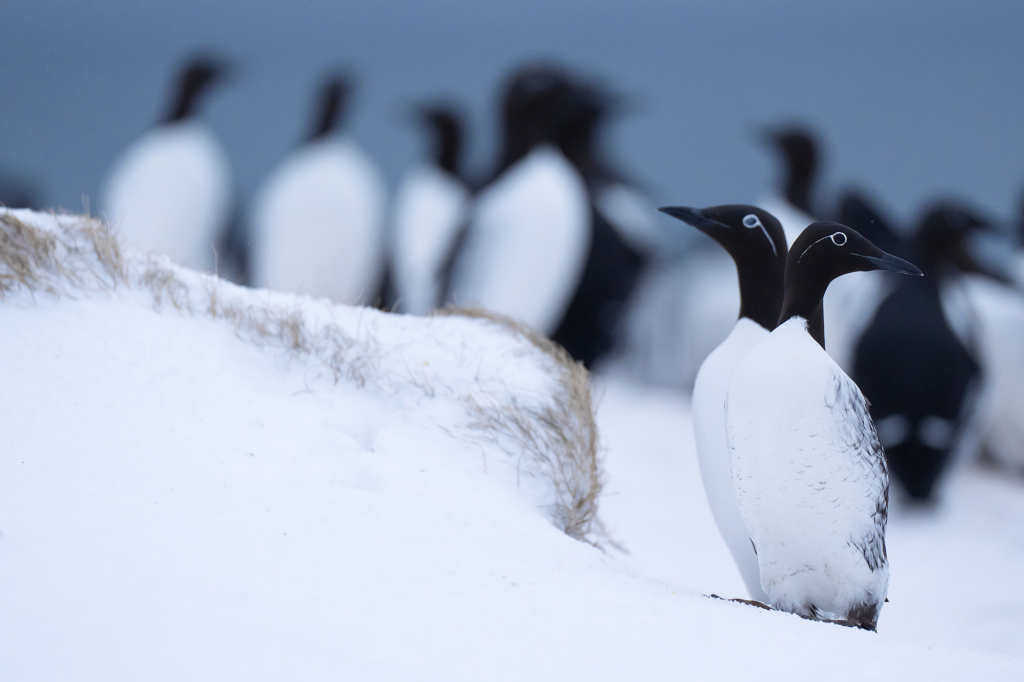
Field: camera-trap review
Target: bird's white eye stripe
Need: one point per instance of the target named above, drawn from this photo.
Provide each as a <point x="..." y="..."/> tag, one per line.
<point x="838" y="238"/>
<point x="751" y="221"/>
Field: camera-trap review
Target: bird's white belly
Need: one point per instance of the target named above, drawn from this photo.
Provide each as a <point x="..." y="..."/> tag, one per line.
<point x="530" y="237"/>
<point x="807" y="485"/>
<point x="709" y="430"/>
<point x="430" y="207"/>
<point x="171" y="193"/>
<point x="1000" y="313"/>
<point x="318" y="225"/>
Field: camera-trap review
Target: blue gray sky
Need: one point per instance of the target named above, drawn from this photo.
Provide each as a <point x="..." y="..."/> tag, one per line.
<point x="914" y="99"/>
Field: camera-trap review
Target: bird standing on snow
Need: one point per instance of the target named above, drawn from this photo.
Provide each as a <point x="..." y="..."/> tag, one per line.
<point x="431" y="206"/>
<point x="318" y="221"/>
<point x="757" y="244"/>
<point x="171" y="190"/>
<point x="810" y="476"/>
<point x="526" y="246"/>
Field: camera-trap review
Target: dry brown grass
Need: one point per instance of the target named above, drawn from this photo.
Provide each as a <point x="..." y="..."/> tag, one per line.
<point x="86" y="256"/>
<point x="561" y="437"/>
<point x="557" y="437"/>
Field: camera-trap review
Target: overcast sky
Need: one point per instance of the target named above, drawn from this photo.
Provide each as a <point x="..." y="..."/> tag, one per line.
<point x="914" y="99"/>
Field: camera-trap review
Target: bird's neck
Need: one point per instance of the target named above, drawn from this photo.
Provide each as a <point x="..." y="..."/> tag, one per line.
<point x="798" y="189"/>
<point x="804" y="299"/>
<point x="184" y="104"/>
<point x="449" y="146"/>
<point x="328" y="120"/>
<point x="761" y="291"/>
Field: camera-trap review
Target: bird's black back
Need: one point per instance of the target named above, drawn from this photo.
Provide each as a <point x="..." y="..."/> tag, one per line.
<point x="589" y="329"/>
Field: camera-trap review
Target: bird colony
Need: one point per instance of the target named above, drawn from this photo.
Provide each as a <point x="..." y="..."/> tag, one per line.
<point x="449" y="344"/>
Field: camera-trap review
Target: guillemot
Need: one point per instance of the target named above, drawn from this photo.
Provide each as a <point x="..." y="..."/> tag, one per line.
<point x="171" y="190"/>
<point x="318" y="224"/>
<point x="431" y="206"/>
<point x="810" y="476"/>
<point x="918" y="361"/>
<point x="757" y="244"/>
<point x="525" y="248"/>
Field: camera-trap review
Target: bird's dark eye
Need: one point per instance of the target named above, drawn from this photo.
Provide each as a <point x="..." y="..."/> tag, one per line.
<point x="750" y="220"/>
<point x="839" y="239"/>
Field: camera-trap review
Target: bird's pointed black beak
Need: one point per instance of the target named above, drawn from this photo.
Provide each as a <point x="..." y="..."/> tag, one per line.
<point x="692" y="216"/>
<point x="891" y="263"/>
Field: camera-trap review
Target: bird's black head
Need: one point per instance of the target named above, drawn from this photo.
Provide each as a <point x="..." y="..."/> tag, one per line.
<point x="194" y="79"/>
<point x="757" y="243"/>
<point x="536" y="106"/>
<point x="443" y="124"/>
<point x="953" y="235"/>
<point x="332" y="105"/>
<point x="823" y="252"/>
<point x="800" y="151"/>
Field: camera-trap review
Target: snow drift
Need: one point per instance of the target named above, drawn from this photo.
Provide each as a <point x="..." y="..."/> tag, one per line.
<point x="203" y="482"/>
<point x="517" y="390"/>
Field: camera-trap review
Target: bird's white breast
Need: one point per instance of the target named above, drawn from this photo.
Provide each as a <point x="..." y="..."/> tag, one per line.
<point x="171" y="193"/>
<point x="1000" y="313"/>
<point x="529" y="241"/>
<point x="810" y="477"/>
<point x="709" y="430"/>
<point x="430" y="207"/>
<point x="318" y="224"/>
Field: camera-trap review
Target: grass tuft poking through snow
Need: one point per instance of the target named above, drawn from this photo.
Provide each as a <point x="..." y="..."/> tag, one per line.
<point x="560" y="436"/>
<point x="551" y="434"/>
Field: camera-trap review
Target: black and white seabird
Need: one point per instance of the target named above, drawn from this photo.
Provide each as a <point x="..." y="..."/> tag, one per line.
<point x="318" y="224"/>
<point x="810" y="476"/>
<point x="431" y="206"/>
<point x="525" y="250"/>
<point x="171" y="190"/>
<point x="757" y="244"/>
<point x="917" y="362"/>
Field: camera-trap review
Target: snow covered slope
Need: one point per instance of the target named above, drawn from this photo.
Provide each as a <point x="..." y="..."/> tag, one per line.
<point x="203" y="482"/>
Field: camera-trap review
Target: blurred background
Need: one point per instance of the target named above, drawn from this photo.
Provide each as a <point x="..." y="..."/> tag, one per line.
<point x="912" y="102"/>
<point x="911" y="99"/>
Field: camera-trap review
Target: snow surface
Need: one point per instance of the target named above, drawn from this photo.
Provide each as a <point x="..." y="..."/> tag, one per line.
<point x="179" y="500"/>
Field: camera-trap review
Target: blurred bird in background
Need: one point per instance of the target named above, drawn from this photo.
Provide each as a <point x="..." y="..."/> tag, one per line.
<point x="917" y="362"/>
<point x="171" y="190"/>
<point x="430" y="208"/>
<point x="318" y="221"/>
<point x="524" y="250"/>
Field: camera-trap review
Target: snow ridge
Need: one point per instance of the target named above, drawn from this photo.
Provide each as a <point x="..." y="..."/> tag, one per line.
<point x="518" y="390"/>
